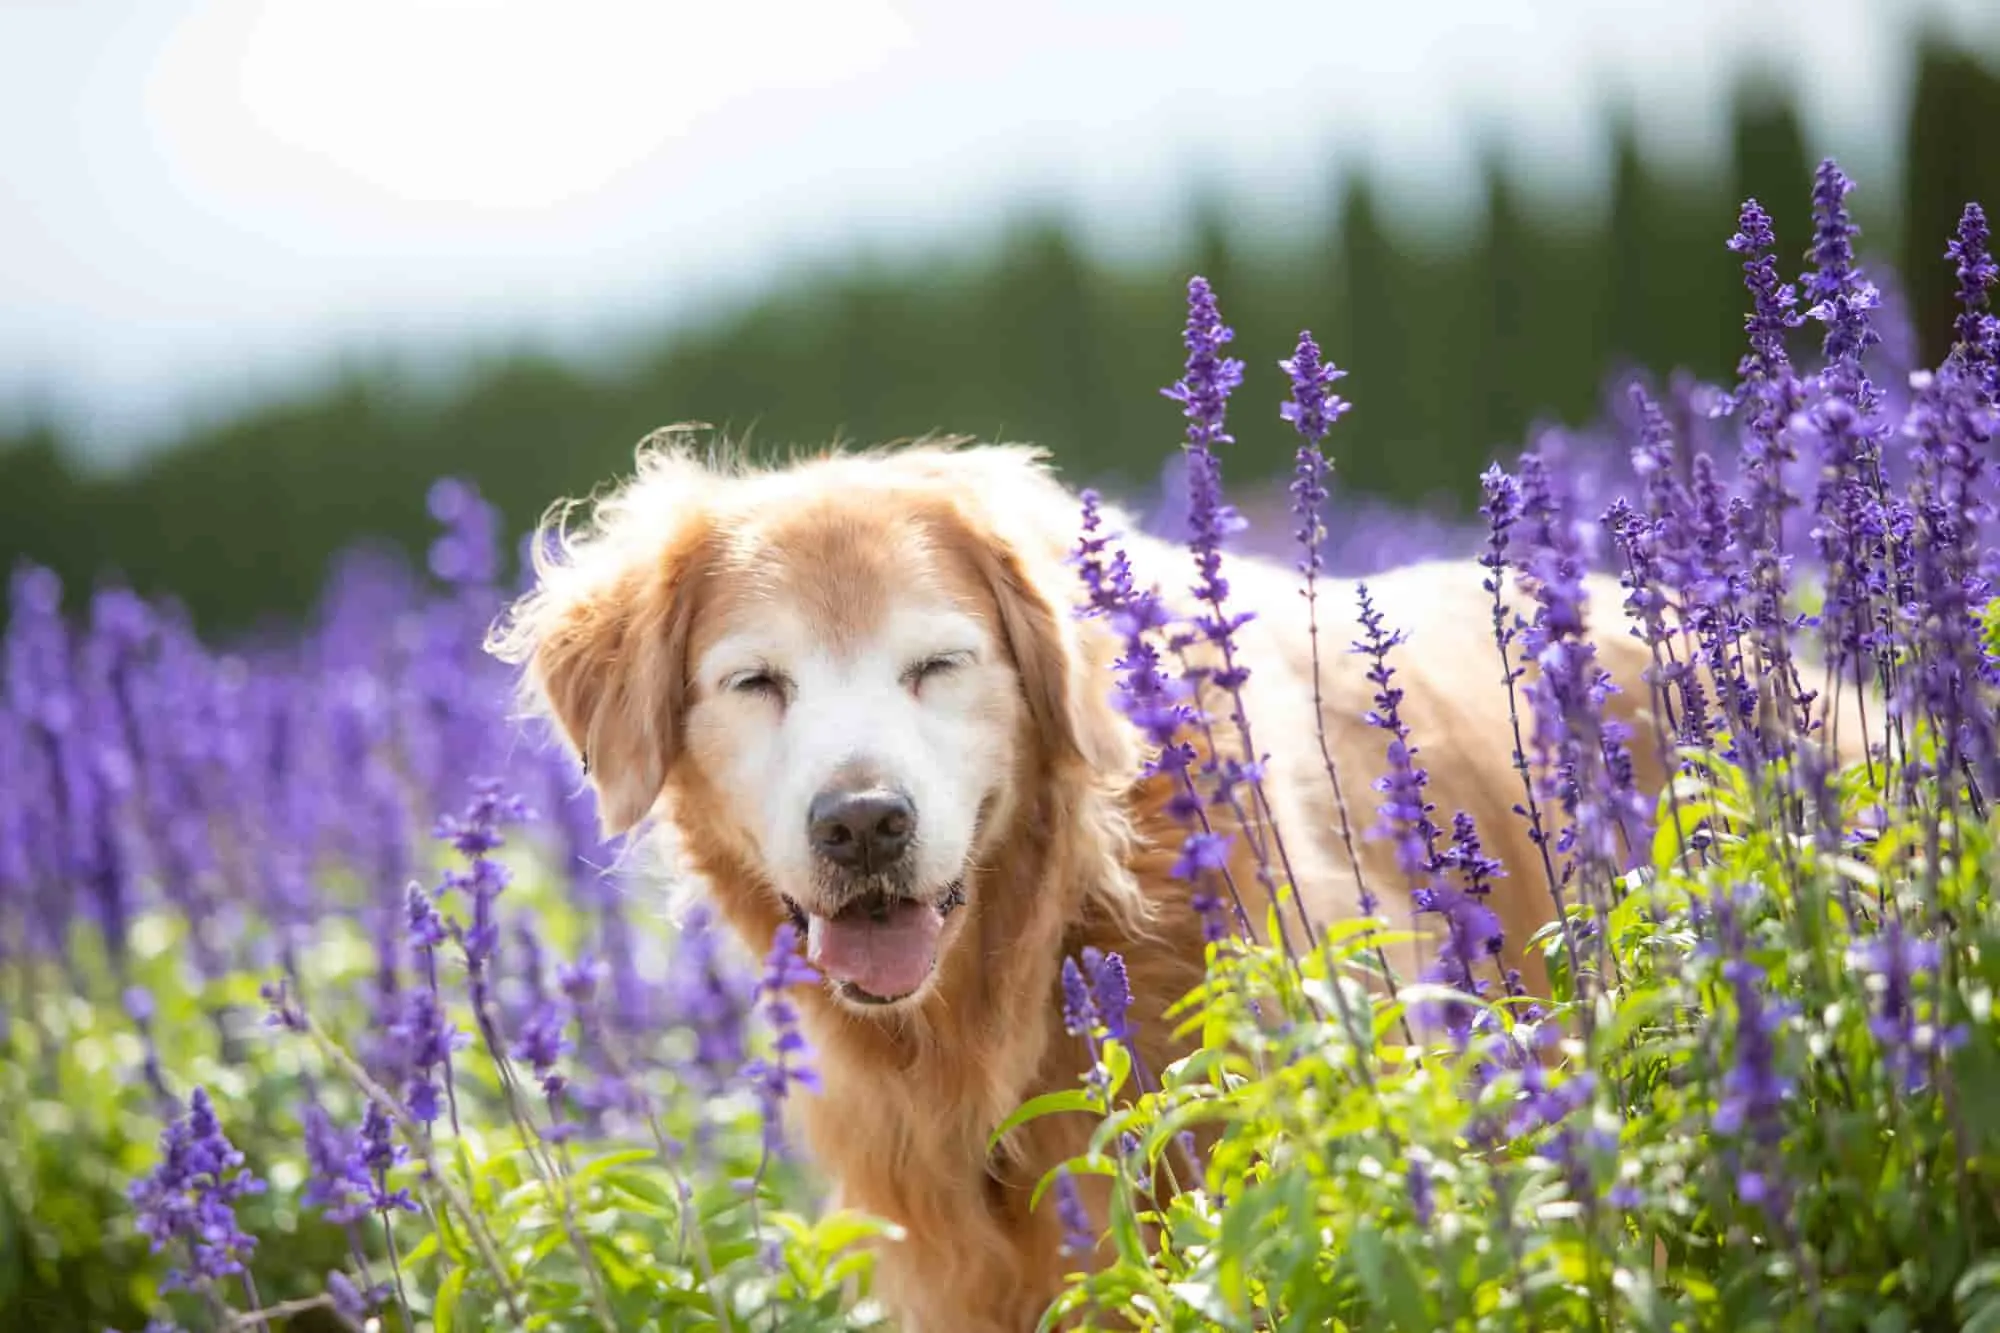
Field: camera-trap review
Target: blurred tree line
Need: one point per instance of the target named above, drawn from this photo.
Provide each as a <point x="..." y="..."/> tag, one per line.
<point x="1451" y="355"/>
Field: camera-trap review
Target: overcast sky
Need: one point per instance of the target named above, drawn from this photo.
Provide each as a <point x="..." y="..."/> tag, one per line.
<point x="202" y="200"/>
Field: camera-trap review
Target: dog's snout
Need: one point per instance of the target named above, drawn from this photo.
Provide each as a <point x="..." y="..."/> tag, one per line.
<point x="861" y="830"/>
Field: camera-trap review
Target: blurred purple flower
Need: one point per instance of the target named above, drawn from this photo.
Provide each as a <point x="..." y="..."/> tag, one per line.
<point x="468" y="551"/>
<point x="709" y="999"/>
<point x="334" y="1183"/>
<point x="788" y="1067"/>
<point x="1075" y="1218"/>
<point x="190" y="1198"/>
<point x="1892" y="963"/>
<point x="1423" y="1194"/>
<point x="1756" y="1086"/>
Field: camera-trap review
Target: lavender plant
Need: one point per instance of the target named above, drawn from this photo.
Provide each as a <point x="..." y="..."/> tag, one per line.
<point x="394" y="1081"/>
<point x="1752" y="1099"/>
<point x="273" y="1057"/>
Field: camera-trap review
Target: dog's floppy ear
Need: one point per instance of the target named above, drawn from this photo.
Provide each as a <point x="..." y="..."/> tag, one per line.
<point x="1068" y="691"/>
<point x="603" y="639"/>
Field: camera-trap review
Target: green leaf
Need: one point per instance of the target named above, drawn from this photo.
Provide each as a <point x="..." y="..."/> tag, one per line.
<point x="1390" y="1279"/>
<point x="839" y="1230"/>
<point x="444" y="1311"/>
<point x="1077" y="1166"/>
<point x="608" y="1161"/>
<point x="1049" y="1103"/>
<point x="657" y="1199"/>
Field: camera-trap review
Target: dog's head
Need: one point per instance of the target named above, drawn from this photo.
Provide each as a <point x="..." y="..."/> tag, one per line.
<point x="843" y="676"/>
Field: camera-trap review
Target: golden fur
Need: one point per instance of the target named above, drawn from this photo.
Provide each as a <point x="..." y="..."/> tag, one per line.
<point x="1071" y="847"/>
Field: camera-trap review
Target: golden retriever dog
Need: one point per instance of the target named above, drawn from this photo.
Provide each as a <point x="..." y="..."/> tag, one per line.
<point x="857" y="691"/>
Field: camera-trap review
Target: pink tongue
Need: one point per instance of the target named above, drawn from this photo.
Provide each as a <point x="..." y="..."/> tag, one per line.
<point x="888" y="958"/>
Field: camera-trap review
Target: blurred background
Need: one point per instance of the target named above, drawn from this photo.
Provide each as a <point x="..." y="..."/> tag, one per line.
<point x="267" y="270"/>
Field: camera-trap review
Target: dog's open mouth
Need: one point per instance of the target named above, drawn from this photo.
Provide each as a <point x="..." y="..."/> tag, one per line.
<point x="880" y="948"/>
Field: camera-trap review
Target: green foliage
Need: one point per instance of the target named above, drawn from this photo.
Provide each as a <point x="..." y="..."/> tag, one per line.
<point x="654" y="1230"/>
<point x="1569" y="1165"/>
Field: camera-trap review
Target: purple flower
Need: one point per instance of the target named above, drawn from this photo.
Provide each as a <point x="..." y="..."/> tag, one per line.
<point x="1755" y="1085"/>
<point x="477" y="836"/>
<point x="1079" y="1007"/>
<point x="1203" y="392"/>
<point x="1772" y="393"/>
<point x="578" y="981"/>
<point x="1892" y="962"/>
<point x="1837" y="295"/>
<point x="710" y="1000"/>
<point x="190" y="1198"/>
<point x="1978" y="344"/>
<point x="285" y="1011"/>
<point x="1075" y="1218"/>
<point x="542" y="1042"/>
<point x="1110" y="992"/>
<point x="468" y="552"/>
<point x="336" y="1183"/>
<point x="1312" y="410"/>
<point x="1585" y="769"/>
<point x="1471" y="933"/>
<point x="374" y="1153"/>
<point x="1950" y="431"/>
<point x="1423" y="1195"/>
<point x="1158" y="706"/>
<point x="1314" y="406"/>
<point x="1155" y="703"/>
<point x="348" y="1299"/>
<point x="1766" y="369"/>
<point x="1469" y="859"/>
<point x="773" y="1079"/>
<point x="1405" y="814"/>
<point x="424" y="1038"/>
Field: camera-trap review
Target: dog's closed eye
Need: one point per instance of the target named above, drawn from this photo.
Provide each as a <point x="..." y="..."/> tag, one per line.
<point x="937" y="664"/>
<point x="761" y="681"/>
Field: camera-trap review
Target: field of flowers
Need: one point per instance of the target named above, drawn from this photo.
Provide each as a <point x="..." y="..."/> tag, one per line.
<point x="324" y="1006"/>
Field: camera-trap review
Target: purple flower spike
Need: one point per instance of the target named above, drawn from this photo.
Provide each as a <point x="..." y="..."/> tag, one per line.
<point x="1755" y="1088"/>
<point x="1585" y="769"/>
<point x="710" y="1000"/>
<point x="1075" y="1218"/>
<point x="1839" y="296"/>
<point x="1110" y="992"/>
<point x="334" y="1184"/>
<point x="773" y="1079"/>
<point x="1766" y="368"/>
<point x="190" y="1198"/>
<point x="1314" y="406"/>
<point x="467" y="554"/>
<point x="1079" y="1007"/>
<point x="1892" y="962"/>
<point x="1978" y="343"/>
<point x="1423" y="1195"/>
<point x="375" y="1152"/>
<point x="1312" y="410"/>
<point x="1405" y="814"/>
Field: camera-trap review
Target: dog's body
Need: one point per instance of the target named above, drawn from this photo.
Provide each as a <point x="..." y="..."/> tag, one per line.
<point x="857" y="689"/>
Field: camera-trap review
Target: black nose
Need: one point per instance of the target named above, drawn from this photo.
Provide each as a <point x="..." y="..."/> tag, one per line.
<point x="861" y="830"/>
